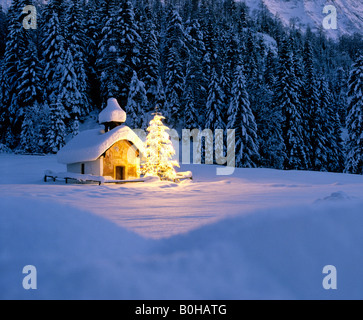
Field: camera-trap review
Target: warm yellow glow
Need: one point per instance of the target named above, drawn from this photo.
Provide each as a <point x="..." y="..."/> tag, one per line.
<point x="159" y="151"/>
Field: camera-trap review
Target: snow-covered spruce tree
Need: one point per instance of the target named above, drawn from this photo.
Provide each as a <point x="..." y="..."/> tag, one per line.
<point x="331" y="129"/>
<point x="190" y="112"/>
<point x="256" y="88"/>
<point x="68" y="92"/>
<point x="56" y="129"/>
<point x="195" y="83"/>
<point x="29" y="137"/>
<point x="16" y="44"/>
<point x="268" y="118"/>
<point x="272" y="146"/>
<point x="354" y="163"/>
<point x="215" y="105"/>
<point x="93" y="31"/>
<point x="231" y="57"/>
<point x="149" y="56"/>
<point x="160" y="98"/>
<point x="3" y="31"/>
<point x="339" y="92"/>
<point x="75" y="31"/>
<point x="30" y="98"/>
<point x="225" y="84"/>
<point x="118" y="53"/>
<point x="3" y="108"/>
<point x="270" y="70"/>
<point x="241" y="118"/>
<point x="210" y="59"/>
<point x="75" y="127"/>
<point x="313" y="117"/>
<point x="215" y="110"/>
<point x="159" y="151"/>
<point x="251" y="58"/>
<point x="174" y="75"/>
<point x="53" y="44"/>
<point x="109" y="52"/>
<point x="43" y="117"/>
<point x="130" y="42"/>
<point x="230" y="10"/>
<point x="137" y="104"/>
<point x="287" y="101"/>
<point x="319" y="134"/>
<point x="59" y="7"/>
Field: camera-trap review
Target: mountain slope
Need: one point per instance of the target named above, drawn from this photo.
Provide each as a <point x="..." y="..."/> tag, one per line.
<point x="310" y="12"/>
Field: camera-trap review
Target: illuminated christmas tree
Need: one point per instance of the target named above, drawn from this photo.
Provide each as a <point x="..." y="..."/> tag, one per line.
<point x="159" y="151"/>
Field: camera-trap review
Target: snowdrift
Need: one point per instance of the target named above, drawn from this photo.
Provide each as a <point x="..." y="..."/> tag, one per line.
<point x="273" y="254"/>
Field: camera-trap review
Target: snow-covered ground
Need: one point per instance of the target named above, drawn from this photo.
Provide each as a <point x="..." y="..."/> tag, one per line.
<point x="257" y="234"/>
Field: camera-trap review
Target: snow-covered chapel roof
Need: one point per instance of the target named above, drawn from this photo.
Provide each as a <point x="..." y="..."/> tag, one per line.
<point x="91" y="144"/>
<point x="112" y="113"/>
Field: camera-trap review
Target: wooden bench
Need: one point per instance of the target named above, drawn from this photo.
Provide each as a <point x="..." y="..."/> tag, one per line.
<point x="183" y="176"/>
<point x="46" y="176"/>
<point x="54" y="177"/>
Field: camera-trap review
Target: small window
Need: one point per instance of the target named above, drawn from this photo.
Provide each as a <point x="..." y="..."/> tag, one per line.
<point x="82" y="168"/>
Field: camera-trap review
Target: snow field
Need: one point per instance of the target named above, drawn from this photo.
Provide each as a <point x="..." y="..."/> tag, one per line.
<point x="259" y="234"/>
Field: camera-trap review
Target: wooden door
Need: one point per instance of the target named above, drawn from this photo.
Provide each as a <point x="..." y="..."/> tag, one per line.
<point x="120" y="173"/>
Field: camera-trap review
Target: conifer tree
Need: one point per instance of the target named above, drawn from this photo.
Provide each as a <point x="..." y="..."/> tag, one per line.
<point x="195" y="83"/>
<point x="312" y="113"/>
<point x="16" y="45"/>
<point x="215" y="104"/>
<point x="215" y="109"/>
<point x="109" y="53"/>
<point x="190" y="111"/>
<point x="286" y="100"/>
<point x="118" y="54"/>
<point x="319" y="134"/>
<point x="149" y="57"/>
<point x="3" y="31"/>
<point x="354" y="163"/>
<point x="3" y="108"/>
<point x="92" y="34"/>
<point x="75" y="127"/>
<point x="56" y="129"/>
<point x="29" y="139"/>
<point x="232" y="56"/>
<point x="241" y="118"/>
<point x="30" y="98"/>
<point x="210" y="59"/>
<point x="76" y="44"/>
<point x="331" y="129"/>
<point x="129" y="45"/>
<point x="339" y="92"/>
<point x="68" y="92"/>
<point x="137" y="103"/>
<point x="230" y="9"/>
<point x="270" y="70"/>
<point x="160" y="98"/>
<point x="53" y="44"/>
<point x="174" y="75"/>
<point x="159" y="151"/>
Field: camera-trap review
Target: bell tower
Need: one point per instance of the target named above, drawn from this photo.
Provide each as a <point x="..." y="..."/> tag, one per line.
<point x="112" y="116"/>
